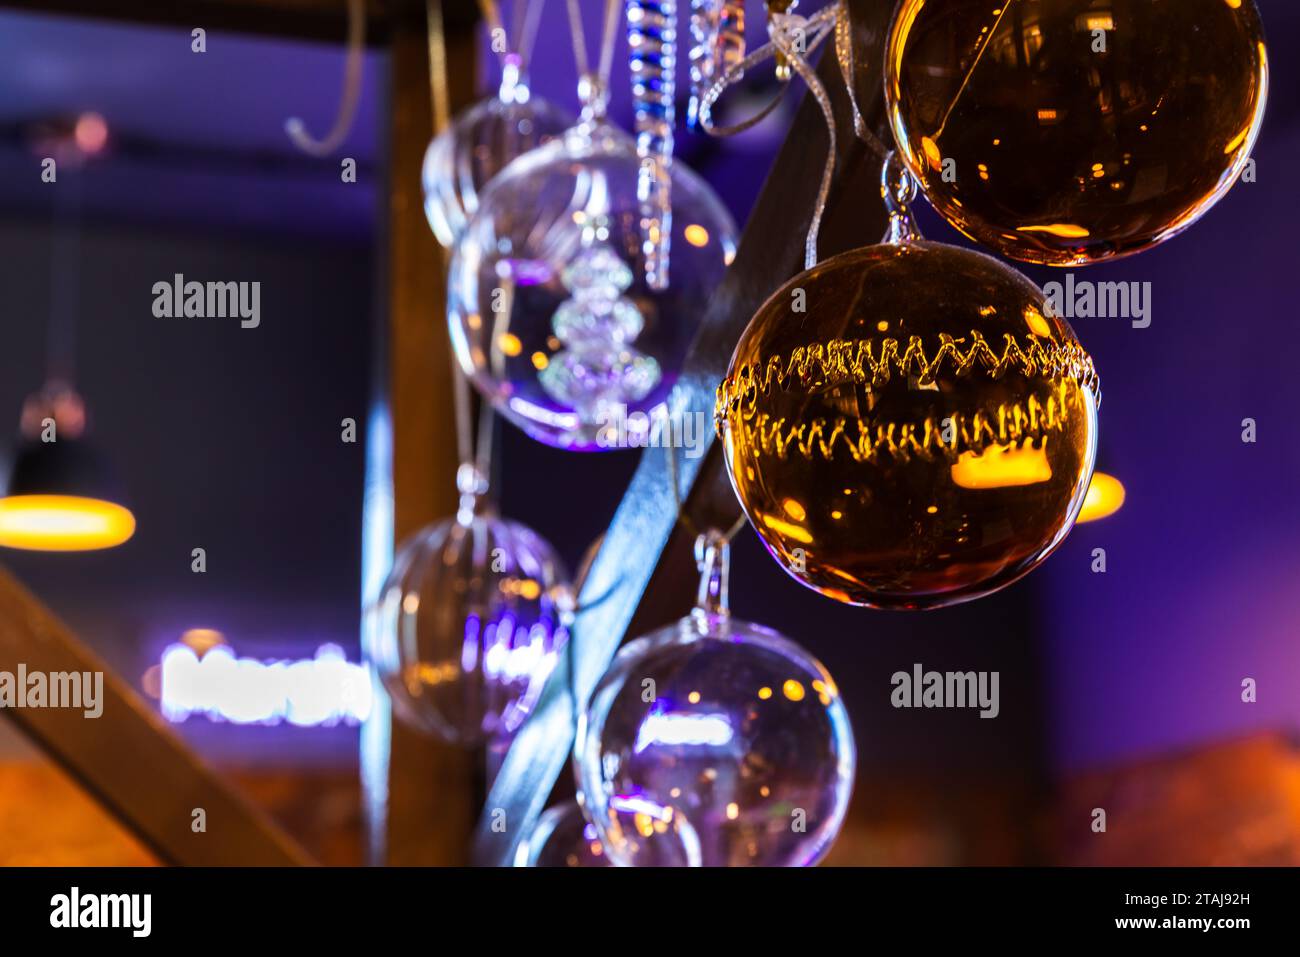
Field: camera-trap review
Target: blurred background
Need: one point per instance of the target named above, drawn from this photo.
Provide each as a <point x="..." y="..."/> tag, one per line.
<point x="1119" y="690"/>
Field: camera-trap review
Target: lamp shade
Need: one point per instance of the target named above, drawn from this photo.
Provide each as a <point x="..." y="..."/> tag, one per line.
<point x="63" y="496"/>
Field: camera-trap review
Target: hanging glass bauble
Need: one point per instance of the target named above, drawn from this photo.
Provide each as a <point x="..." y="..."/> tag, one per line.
<point x="1071" y="131"/>
<point x="468" y="624"/>
<point x="908" y="425"/>
<point x="550" y="310"/>
<point x="563" y="837"/>
<point x="478" y="144"/>
<point x="723" y="724"/>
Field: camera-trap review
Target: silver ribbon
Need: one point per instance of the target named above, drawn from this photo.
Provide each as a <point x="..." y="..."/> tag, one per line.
<point x="795" y="37"/>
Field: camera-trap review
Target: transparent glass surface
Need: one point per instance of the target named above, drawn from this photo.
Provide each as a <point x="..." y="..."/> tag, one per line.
<point x="723" y="725"/>
<point x="550" y="310"/>
<point x="475" y="147"/>
<point x="563" y="837"/>
<point x="923" y="434"/>
<point x="1070" y="131"/>
<point x="468" y="625"/>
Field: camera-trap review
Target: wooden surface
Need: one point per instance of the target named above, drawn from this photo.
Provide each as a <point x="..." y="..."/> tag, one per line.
<point x="324" y="20"/>
<point x="426" y="811"/>
<point x="1233" y="804"/>
<point x="127" y="759"/>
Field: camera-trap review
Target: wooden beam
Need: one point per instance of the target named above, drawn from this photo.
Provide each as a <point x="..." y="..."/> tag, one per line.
<point x="127" y="758"/>
<point x="324" y="20"/>
<point x="422" y="812"/>
<point x="644" y="566"/>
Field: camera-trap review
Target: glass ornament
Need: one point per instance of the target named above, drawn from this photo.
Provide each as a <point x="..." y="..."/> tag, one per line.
<point x="907" y="425"/>
<point x="563" y="837"/>
<point x="478" y="144"/>
<point x="469" y="623"/>
<point x="551" y="313"/>
<point x="1066" y="132"/>
<point x="722" y="725"/>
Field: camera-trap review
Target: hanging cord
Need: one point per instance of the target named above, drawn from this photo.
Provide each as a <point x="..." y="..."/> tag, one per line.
<point x="472" y="452"/>
<point x="527" y="17"/>
<point x="347" y="111"/>
<point x="844" y="53"/>
<point x="65" y="283"/>
<point x="682" y="517"/>
<point x="608" y="35"/>
<point x="794" y="38"/>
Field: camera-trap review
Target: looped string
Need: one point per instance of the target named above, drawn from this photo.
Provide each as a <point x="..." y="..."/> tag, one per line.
<point x="844" y="53"/>
<point x="351" y="96"/>
<point x="795" y="38"/>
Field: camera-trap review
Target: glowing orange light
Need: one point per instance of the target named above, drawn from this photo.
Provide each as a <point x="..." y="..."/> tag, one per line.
<point x="63" y="523"/>
<point x="91" y="132"/>
<point x="696" y="235"/>
<point x="202" y="640"/>
<point x="793" y="690"/>
<point x="1002" y="466"/>
<point x="509" y="344"/>
<point x="1105" y="497"/>
<point x="1064" y="230"/>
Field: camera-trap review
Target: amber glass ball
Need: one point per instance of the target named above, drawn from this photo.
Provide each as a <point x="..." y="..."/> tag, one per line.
<point x="1066" y="132"/>
<point x="922" y="433"/>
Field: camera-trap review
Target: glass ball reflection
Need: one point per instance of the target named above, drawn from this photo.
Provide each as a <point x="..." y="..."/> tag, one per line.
<point x="468" y="625"/>
<point x="480" y="142"/>
<point x="1066" y="132"/>
<point x="550" y="309"/>
<point x="922" y="435"/>
<point x="724" y="726"/>
<point x="563" y="837"/>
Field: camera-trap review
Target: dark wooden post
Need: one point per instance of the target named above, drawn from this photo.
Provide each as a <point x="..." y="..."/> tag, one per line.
<point x="419" y="797"/>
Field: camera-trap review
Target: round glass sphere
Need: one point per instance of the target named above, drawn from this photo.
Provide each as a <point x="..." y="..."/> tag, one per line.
<point x="727" y="727"/>
<point x="476" y="146"/>
<point x="563" y="837"/>
<point x="468" y="625"/>
<point x="1066" y="132"/>
<point x="922" y="434"/>
<point x="551" y="312"/>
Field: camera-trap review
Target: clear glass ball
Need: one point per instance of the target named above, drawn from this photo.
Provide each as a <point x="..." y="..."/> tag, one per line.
<point x="551" y="312"/>
<point x="724" y="726"/>
<point x="563" y="837"/>
<point x="468" y="626"/>
<point x="475" y="147"/>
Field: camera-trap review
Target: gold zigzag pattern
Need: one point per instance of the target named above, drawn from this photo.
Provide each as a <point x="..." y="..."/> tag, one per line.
<point x="1018" y="423"/>
<point x="864" y="362"/>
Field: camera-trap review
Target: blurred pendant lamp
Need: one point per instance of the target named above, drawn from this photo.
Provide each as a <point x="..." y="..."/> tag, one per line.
<point x="1105" y="497"/>
<point x="62" y="493"/>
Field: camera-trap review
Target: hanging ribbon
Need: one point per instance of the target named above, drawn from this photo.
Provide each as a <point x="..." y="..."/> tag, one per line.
<point x="347" y="111"/>
<point x="794" y="38"/>
<point x="518" y="46"/>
